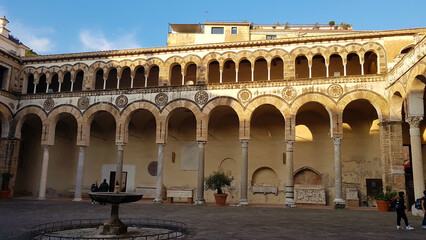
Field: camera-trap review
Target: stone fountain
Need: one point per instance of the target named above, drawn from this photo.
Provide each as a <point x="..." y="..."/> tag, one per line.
<point x="114" y="226"/>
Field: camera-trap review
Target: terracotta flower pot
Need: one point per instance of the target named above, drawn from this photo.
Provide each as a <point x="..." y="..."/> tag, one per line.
<point x="383" y="206"/>
<point x="220" y="199"/>
<point x="4" y="194"/>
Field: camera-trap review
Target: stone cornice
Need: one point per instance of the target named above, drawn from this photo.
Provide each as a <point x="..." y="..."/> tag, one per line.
<point x="215" y="46"/>
<point x="10" y="56"/>
<point x="216" y="86"/>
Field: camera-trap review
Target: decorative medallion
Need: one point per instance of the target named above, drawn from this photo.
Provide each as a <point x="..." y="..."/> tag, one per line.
<point x="161" y="99"/>
<point x="201" y="97"/>
<point x="121" y="101"/>
<point x="152" y="168"/>
<point x="335" y="90"/>
<point x="289" y="93"/>
<point x="244" y="95"/>
<point x="83" y="103"/>
<point x="48" y="104"/>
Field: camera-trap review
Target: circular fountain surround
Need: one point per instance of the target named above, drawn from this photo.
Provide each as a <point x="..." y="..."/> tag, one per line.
<point x="114" y="226"/>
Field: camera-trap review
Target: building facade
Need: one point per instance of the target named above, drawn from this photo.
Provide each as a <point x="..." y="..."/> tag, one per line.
<point x="322" y="116"/>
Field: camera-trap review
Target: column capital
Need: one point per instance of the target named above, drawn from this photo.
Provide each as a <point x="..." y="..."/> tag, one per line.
<point x="244" y="143"/>
<point x="337" y="140"/>
<point x="289" y="145"/>
<point x="120" y="146"/>
<point x="414" y="121"/>
<point x="162" y="144"/>
<point x="45" y="146"/>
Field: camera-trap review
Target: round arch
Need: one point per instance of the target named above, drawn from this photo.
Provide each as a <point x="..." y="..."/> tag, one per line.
<point x="379" y="103"/>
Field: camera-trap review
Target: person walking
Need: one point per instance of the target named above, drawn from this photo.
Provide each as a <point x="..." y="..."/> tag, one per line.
<point x="94" y="188"/>
<point x="104" y="187"/>
<point x="424" y="210"/>
<point x="400" y="212"/>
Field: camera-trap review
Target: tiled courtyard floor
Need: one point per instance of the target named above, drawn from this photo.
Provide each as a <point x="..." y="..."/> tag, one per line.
<point x="211" y="222"/>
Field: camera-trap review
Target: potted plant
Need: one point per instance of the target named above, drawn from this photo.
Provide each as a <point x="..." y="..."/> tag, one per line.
<point x="383" y="199"/>
<point x="4" y="193"/>
<point x="216" y="181"/>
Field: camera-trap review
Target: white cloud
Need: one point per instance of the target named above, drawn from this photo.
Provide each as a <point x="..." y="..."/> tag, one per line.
<point x="34" y="38"/>
<point x="96" y="41"/>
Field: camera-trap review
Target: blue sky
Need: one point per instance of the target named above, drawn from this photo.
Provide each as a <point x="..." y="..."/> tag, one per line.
<point x="60" y="26"/>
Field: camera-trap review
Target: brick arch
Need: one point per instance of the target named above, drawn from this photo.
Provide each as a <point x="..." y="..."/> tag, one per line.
<point x="299" y="52"/>
<point x="395" y="101"/>
<point x="258" y="54"/>
<point x="90" y="113"/>
<point x="155" y="61"/>
<point x="6" y="118"/>
<point x="191" y="59"/>
<point x="24" y="73"/>
<point x="244" y="55"/>
<point x="273" y="100"/>
<point x="224" y="101"/>
<point x="174" y="60"/>
<point x="56" y="114"/>
<point x="419" y="69"/>
<point x="336" y="49"/>
<point x="126" y="63"/>
<point x="210" y="57"/>
<point x="23" y="114"/>
<point x="379" y="102"/>
<point x="128" y="111"/>
<point x="165" y="115"/>
<point x="111" y="65"/>
<point x="380" y="52"/>
<point x="328" y="103"/>
<point x="97" y="66"/>
<point x="281" y="53"/>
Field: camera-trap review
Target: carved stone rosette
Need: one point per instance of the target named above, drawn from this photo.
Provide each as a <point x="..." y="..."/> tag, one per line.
<point x="201" y="97"/>
<point x="335" y="90"/>
<point x="48" y="104"/>
<point x="83" y="103"/>
<point x="244" y="95"/>
<point x="121" y="101"/>
<point x="161" y="99"/>
<point x="289" y="93"/>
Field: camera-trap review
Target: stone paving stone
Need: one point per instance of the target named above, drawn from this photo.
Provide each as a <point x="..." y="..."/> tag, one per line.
<point x="211" y="222"/>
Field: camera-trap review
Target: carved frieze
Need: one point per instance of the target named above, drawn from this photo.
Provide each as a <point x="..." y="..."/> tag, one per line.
<point x="201" y="97"/>
<point x="48" y="104"/>
<point x="83" y="103"/>
<point x="161" y="99"/>
<point x="309" y="194"/>
<point x="121" y="101"/>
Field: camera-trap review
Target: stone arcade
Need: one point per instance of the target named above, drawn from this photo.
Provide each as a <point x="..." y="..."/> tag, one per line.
<point x="297" y="115"/>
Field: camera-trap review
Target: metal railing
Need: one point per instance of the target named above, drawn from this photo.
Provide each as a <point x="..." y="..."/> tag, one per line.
<point x="49" y="231"/>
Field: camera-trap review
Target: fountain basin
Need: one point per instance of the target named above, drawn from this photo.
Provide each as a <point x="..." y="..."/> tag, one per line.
<point x="114" y="226"/>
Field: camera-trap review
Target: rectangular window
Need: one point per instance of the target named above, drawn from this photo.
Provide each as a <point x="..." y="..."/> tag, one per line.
<point x="234" y="30"/>
<point x="217" y="30"/>
<point x="271" y="37"/>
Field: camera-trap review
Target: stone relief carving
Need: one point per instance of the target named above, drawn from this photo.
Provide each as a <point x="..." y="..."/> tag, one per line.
<point x="83" y="103"/>
<point x="289" y="93"/>
<point x="244" y="95"/>
<point x="335" y="90"/>
<point x="121" y="101"/>
<point x="201" y="97"/>
<point x="310" y="195"/>
<point x="48" y="104"/>
<point x="161" y="99"/>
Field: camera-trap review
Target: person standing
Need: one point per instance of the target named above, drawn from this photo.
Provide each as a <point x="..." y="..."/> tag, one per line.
<point x="400" y="212"/>
<point x="424" y="209"/>
<point x="104" y="187"/>
<point x="94" y="188"/>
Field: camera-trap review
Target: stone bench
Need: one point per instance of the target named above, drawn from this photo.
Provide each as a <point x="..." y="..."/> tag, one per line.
<point x="149" y="192"/>
<point x="179" y="193"/>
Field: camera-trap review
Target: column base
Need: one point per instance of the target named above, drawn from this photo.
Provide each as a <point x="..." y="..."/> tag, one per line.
<point x="158" y="201"/>
<point x="289" y="202"/>
<point x="339" y="204"/>
<point x="199" y="201"/>
<point x="41" y="198"/>
<point x="243" y="202"/>
<point x="77" y="199"/>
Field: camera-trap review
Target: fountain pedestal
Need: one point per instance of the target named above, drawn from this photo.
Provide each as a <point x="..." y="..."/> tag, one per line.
<point x="114" y="226"/>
